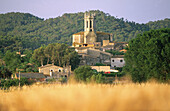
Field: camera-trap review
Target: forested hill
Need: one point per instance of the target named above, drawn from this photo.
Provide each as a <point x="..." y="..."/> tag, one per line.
<point x="12" y="20"/>
<point x="20" y="31"/>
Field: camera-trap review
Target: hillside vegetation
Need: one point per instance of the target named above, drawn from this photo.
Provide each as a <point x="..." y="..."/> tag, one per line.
<point x="24" y="31"/>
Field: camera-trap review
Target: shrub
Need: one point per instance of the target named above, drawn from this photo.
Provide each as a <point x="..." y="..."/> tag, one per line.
<point x="82" y="73"/>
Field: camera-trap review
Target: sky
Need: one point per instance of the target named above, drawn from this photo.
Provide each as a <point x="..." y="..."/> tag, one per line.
<point x="140" y="11"/>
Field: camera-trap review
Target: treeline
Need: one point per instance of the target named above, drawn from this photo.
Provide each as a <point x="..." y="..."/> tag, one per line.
<point x="29" y="61"/>
<point x="19" y="31"/>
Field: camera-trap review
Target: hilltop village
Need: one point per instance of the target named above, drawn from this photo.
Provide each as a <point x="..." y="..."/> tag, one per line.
<point x="95" y="49"/>
<point x="79" y="46"/>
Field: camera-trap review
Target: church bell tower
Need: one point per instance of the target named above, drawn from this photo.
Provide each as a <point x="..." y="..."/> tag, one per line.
<point x="89" y="28"/>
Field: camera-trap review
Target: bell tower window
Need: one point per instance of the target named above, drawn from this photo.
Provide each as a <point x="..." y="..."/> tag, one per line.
<point x="87" y="24"/>
<point x="90" y="24"/>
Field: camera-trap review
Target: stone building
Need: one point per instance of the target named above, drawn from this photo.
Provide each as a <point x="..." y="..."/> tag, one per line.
<point x="90" y="37"/>
<point x="90" y="56"/>
<point x="55" y="71"/>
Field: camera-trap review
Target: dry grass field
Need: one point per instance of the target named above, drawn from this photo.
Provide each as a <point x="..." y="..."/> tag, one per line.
<point x="87" y="97"/>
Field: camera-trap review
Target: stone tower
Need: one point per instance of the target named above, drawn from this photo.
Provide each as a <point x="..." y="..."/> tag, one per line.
<point x="89" y="28"/>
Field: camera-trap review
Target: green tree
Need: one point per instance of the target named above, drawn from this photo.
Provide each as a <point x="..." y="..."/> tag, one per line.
<point x="39" y="55"/>
<point x="12" y="60"/>
<point x="74" y="59"/>
<point x="148" y="56"/>
<point x="58" y="54"/>
<point x="82" y="73"/>
<point x="4" y="72"/>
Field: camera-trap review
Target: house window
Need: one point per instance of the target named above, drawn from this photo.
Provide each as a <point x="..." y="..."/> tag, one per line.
<point x="121" y="60"/>
<point x="59" y="70"/>
<point x="113" y="60"/>
<point x="90" y="30"/>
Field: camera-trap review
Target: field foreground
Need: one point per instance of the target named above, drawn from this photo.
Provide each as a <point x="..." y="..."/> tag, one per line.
<point x="91" y="97"/>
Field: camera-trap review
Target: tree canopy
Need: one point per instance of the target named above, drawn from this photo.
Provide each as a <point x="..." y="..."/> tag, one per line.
<point x="29" y="61"/>
<point x="148" y="56"/>
<point x="58" y="54"/>
<point x="83" y="72"/>
<point x="87" y="74"/>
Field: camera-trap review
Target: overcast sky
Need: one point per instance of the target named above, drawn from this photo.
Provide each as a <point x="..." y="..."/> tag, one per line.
<point x="140" y="11"/>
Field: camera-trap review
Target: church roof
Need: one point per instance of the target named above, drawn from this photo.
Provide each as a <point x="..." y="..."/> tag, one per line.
<point x="79" y="33"/>
<point x="102" y="33"/>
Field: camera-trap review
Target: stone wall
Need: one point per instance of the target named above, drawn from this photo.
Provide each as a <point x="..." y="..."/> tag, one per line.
<point x="104" y="57"/>
<point x="89" y="60"/>
<point x="94" y="56"/>
<point x="94" y="53"/>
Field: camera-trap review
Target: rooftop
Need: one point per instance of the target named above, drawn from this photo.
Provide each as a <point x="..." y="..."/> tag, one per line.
<point x="82" y="33"/>
<point x="118" y="56"/>
<point x="31" y="75"/>
<point x="49" y="65"/>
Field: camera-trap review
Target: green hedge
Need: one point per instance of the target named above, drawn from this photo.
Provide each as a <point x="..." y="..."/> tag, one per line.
<point x="5" y="84"/>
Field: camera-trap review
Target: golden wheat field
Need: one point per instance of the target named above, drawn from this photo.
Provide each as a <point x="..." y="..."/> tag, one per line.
<point x="87" y="97"/>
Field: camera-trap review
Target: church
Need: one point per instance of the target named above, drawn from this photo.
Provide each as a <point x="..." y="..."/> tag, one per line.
<point x="90" y="37"/>
<point x="88" y="43"/>
<point x="91" y="44"/>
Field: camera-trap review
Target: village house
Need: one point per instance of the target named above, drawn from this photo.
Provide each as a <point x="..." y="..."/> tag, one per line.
<point x="55" y="71"/>
<point x="117" y="61"/>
